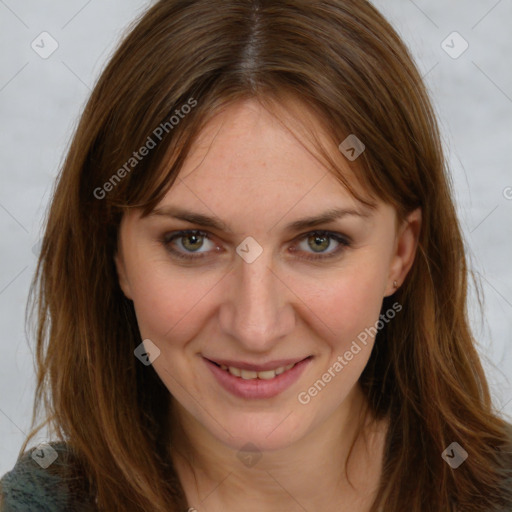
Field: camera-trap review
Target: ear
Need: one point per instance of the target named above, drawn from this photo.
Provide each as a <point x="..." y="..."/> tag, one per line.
<point x="121" y="273"/>
<point x="406" y="243"/>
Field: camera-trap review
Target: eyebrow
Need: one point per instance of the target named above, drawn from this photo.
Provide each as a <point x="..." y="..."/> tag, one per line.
<point x="215" y="223"/>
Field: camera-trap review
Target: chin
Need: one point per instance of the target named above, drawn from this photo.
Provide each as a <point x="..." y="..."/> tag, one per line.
<point x="266" y="430"/>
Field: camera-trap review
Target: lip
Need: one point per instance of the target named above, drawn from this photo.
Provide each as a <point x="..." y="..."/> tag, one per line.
<point x="257" y="388"/>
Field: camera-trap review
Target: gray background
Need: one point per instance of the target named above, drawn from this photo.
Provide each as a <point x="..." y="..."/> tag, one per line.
<point x="40" y="101"/>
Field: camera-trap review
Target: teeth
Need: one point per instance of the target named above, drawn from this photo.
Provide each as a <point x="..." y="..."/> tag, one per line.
<point x="247" y="374"/>
<point x="235" y="371"/>
<point x="267" y="375"/>
<point x="250" y="375"/>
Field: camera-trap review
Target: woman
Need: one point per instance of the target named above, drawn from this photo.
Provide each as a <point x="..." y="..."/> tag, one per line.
<point x="252" y="285"/>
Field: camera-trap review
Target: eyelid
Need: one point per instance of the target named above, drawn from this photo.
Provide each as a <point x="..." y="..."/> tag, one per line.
<point x="344" y="242"/>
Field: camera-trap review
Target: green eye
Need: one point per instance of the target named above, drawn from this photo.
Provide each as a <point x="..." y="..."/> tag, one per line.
<point x="319" y="243"/>
<point x="322" y="245"/>
<point x="188" y="244"/>
<point x="192" y="242"/>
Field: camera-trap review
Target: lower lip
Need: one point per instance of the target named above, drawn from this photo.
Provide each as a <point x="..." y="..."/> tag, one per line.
<point x="257" y="388"/>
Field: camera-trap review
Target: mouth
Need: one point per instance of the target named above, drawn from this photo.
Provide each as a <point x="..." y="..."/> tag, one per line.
<point x="250" y="381"/>
<point x="249" y="374"/>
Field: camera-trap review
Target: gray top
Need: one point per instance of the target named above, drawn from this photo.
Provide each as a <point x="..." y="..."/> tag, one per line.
<point x="38" y="483"/>
<point x="41" y="482"/>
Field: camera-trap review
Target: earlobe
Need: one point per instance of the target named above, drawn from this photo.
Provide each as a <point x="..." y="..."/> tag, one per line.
<point x="405" y="250"/>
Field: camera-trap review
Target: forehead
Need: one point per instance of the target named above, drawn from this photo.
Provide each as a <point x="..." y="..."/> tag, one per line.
<point x="248" y="154"/>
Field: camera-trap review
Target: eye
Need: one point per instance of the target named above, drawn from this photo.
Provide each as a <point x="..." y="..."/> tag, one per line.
<point x="319" y="242"/>
<point x="188" y="244"/>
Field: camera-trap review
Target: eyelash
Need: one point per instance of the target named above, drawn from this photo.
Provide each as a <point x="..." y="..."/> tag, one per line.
<point x="167" y="239"/>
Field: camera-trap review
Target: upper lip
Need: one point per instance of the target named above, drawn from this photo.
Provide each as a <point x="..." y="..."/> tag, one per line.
<point x="261" y="367"/>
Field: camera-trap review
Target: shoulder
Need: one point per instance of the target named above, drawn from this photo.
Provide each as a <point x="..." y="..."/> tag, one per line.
<point x="40" y="482"/>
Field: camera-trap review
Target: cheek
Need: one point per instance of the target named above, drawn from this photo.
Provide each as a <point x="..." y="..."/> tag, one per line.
<point x="169" y="304"/>
<point x="344" y="303"/>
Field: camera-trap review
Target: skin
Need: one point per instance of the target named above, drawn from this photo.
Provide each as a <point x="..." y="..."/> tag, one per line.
<point x="249" y="171"/>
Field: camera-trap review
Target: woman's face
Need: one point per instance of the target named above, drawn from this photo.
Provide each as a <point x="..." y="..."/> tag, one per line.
<point x="257" y="285"/>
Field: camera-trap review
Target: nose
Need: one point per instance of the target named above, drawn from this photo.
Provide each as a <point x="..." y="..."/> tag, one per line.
<point x="258" y="307"/>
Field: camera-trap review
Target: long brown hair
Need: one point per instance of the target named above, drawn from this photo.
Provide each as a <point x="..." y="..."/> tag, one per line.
<point x="344" y="62"/>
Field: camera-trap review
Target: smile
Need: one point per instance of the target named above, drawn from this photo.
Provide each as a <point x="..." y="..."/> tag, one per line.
<point x="250" y="374"/>
<point x="250" y="381"/>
